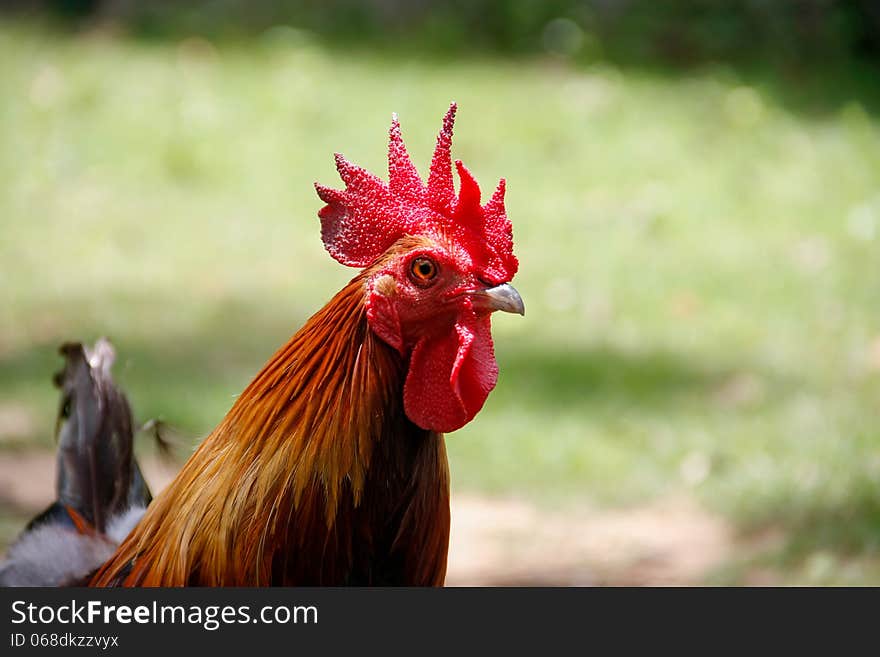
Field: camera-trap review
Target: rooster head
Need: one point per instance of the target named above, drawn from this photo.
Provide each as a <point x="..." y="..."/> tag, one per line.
<point x="439" y="265"/>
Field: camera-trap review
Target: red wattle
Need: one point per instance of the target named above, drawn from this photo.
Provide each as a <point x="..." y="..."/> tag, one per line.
<point x="450" y="376"/>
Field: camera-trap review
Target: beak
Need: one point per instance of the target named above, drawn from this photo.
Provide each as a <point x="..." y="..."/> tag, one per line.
<point x="501" y="297"/>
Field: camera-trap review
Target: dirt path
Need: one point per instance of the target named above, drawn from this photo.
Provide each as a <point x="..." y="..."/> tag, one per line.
<point x="508" y="542"/>
<point x="503" y="541"/>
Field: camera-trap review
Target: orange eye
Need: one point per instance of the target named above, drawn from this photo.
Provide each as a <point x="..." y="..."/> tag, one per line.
<point x="423" y="270"/>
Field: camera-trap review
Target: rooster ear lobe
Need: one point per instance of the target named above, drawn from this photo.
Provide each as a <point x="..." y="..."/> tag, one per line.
<point x="382" y="313"/>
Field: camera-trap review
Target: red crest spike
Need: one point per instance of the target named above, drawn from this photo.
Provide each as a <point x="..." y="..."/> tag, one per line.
<point x="403" y="177"/>
<point x="468" y="205"/>
<point x="359" y="223"/>
<point x="440" y="189"/>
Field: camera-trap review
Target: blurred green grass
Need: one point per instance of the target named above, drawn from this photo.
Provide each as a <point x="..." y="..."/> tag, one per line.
<point x="699" y="261"/>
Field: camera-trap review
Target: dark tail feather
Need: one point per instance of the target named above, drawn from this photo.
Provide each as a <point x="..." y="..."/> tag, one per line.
<point x="100" y="488"/>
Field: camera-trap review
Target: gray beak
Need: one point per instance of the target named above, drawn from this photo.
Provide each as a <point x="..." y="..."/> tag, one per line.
<point x="501" y="297"/>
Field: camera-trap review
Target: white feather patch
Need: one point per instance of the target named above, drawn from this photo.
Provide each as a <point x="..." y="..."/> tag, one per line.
<point x="55" y="555"/>
<point x="120" y="526"/>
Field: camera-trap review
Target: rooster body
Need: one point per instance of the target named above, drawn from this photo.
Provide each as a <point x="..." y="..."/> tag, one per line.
<point x="331" y="468"/>
<point x="100" y="493"/>
<point x="328" y="454"/>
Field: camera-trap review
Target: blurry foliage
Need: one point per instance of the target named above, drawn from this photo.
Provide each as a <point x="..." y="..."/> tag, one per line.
<point x="637" y="31"/>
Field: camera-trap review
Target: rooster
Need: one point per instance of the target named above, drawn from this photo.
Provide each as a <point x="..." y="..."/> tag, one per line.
<point x="331" y="467"/>
<point x="100" y="493"/>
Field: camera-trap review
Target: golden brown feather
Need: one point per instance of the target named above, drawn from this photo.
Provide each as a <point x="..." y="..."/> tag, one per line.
<point x="315" y="476"/>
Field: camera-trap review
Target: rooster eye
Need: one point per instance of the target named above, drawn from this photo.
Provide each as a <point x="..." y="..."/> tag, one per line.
<point x="423" y="270"/>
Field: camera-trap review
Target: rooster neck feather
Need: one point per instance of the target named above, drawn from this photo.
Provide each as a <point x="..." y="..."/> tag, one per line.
<point x="315" y="476"/>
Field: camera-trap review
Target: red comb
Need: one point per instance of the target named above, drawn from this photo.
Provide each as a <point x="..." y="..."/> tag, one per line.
<point x="360" y="222"/>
